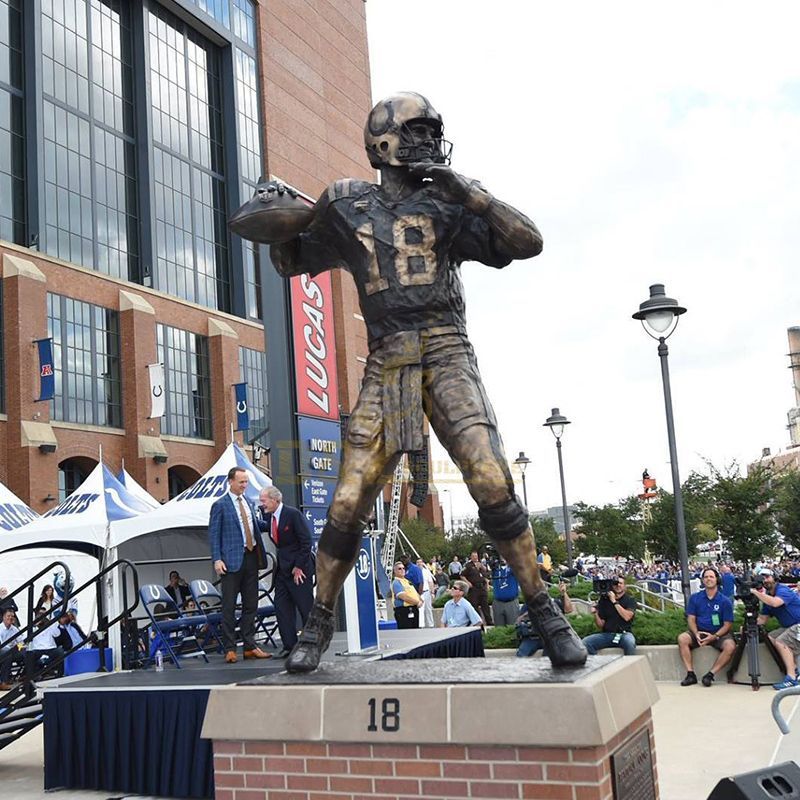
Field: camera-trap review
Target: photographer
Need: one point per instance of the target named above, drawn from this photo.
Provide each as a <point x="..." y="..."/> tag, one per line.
<point x="529" y="642"/>
<point x="710" y="618"/>
<point x="781" y="602"/>
<point x="613" y="614"/>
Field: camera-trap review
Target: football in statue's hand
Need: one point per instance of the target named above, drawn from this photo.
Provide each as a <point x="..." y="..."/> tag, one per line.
<point x="276" y="213"/>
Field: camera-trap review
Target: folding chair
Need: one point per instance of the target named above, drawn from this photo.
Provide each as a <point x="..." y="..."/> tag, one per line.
<point x="174" y="631"/>
<point x="208" y="598"/>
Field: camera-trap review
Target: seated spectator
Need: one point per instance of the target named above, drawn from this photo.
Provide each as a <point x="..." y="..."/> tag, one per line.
<point x="9" y="651"/>
<point x="458" y="611"/>
<point x="529" y="641"/>
<point x="177" y="588"/>
<point x="7" y="603"/>
<point x="43" y="648"/>
<point x="710" y="619"/>
<point x="46" y="600"/>
<point x="613" y="614"/>
<point x="74" y="633"/>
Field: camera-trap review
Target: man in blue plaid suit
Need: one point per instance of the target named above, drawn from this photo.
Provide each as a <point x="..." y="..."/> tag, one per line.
<point x="237" y="550"/>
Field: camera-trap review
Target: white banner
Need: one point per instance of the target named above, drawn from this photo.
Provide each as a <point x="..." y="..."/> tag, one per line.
<point x="157" y="404"/>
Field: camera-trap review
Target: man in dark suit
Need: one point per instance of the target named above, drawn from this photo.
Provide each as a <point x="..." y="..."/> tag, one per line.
<point x="237" y="550"/>
<point x="289" y="531"/>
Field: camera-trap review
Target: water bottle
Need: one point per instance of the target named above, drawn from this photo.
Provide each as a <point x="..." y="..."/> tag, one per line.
<point x="159" y="661"/>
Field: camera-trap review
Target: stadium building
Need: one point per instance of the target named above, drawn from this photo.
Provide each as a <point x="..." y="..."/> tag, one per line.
<point x="129" y="132"/>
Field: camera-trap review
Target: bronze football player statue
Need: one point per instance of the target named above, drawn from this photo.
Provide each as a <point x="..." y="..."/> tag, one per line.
<point x="403" y="241"/>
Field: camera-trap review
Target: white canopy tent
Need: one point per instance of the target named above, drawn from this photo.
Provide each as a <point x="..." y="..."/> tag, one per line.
<point x="13" y="512"/>
<point x="136" y="490"/>
<point x="178" y="530"/>
<point x="80" y="523"/>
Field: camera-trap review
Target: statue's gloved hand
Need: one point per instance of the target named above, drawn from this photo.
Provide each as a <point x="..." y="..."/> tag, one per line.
<point x="449" y="185"/>
<point x="265" y="190"/>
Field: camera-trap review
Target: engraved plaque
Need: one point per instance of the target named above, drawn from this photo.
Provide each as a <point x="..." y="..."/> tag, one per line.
<point x="632" y="768"/>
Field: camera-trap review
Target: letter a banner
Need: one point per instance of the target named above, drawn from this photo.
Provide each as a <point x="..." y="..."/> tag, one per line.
<point x="157" y="399"/>
<point x="242" y="412"/>
<point x="47" y="377"/>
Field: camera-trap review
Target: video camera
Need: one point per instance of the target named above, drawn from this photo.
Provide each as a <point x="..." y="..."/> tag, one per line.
<point x="604" y="585"/>
<point x="745" y="584"/>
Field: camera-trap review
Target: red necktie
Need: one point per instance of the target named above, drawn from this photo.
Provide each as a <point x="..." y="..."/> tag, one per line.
<point x="275" y="530"/>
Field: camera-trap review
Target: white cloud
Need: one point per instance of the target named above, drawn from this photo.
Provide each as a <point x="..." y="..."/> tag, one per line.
<point x="649" y="145"/>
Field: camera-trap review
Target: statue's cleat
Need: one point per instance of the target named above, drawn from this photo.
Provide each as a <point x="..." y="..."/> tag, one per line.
<point x="559" y="640"/>
<point x="312" y="642"/>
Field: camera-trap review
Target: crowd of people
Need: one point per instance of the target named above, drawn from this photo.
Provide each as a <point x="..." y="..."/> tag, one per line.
<point x="56" y="631"/>
<point x="709" y="613"/>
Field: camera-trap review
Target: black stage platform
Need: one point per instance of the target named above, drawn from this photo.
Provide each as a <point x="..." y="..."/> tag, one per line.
<point x="139" y="732"/>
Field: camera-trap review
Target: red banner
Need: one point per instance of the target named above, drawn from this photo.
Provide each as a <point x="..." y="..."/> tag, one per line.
<point x="314" y="346"/>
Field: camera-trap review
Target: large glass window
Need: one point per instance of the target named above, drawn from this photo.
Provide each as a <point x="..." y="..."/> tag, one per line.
<point x="235" y="15"/>
<point x="12" y="127"/>
<point x="86" y="361"/>
<point x="250" y="167"/>
<point x="253" y="370"/>
<point x="191" y="237"/>
<point x="90" y="202"/>
<point x="186" y="382"/>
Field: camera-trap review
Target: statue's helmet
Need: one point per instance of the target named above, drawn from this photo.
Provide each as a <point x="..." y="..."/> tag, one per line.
<point x="389" y="140"/>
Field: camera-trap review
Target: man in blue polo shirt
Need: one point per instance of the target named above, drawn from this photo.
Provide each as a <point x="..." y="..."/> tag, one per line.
<point x="710" y="619"/>
<point x="783" y="603"/>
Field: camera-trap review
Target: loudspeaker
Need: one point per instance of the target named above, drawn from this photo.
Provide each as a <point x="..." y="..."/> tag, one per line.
<point x="781" y="782"/>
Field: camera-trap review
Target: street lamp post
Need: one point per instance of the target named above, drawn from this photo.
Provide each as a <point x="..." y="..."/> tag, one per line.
<point x="659" y="317"/>
<point x="522" y="462"/>
<point x="450" y="498"/>
<point x="557" y="422"/>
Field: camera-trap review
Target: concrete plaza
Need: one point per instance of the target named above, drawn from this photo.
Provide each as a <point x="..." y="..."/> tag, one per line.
<point x="702" y="735"/>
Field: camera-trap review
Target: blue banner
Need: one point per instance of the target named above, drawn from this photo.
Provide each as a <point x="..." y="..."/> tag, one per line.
<point x="242" y="412"/>
<point x="47" y="377"/>
<point x="320" y="447"/>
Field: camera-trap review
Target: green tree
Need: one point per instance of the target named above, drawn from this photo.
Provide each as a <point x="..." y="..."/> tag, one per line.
<point x="611" y="530"/>
<point x="698" y="505"/>
<point x="428" y="540"/>
<point x="742" y="511"/>
<point x="545" y="534"/>
<point x="787" y="507"/>
<point x="469" y="536"/>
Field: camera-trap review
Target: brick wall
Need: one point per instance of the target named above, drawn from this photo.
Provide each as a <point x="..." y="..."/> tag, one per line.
<point x="316" y="771"/>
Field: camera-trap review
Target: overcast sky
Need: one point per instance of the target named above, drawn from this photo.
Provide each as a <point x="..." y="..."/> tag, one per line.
<point x="651" y="143"/>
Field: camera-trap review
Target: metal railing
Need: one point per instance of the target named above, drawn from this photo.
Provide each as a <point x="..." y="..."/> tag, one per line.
<point x="14" y="702"/>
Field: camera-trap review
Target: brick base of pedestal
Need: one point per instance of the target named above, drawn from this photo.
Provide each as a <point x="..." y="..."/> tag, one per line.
<point x="498" y="739"/>
<point x="315" y="771"/>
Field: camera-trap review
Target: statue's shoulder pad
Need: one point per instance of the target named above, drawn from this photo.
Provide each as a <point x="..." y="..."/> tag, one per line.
<point x="347" y="187"/>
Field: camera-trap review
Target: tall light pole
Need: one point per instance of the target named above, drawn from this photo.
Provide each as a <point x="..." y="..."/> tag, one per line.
<point x="659" y="317"/>
<point x="557" y="422"/>
<point x="450" y="498"/>
<point x="522" y="462"/>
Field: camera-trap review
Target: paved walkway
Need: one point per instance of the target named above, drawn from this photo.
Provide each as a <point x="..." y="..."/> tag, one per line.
<point x="702" y="735"/>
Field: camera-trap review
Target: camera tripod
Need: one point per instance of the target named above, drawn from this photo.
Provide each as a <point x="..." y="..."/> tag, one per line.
<point x="750" y="636"/>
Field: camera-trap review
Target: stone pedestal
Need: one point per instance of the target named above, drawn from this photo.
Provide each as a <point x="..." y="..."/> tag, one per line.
<point x="439" y="729"/>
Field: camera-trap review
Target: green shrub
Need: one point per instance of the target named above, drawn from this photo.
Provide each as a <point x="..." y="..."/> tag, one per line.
<point x="649" y="627"/>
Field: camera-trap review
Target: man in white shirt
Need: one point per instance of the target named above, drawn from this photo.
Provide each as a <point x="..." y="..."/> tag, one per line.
<point x="43" y="648"/>
<point x="9" y="654"/>
<point x="428" y="586"/>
